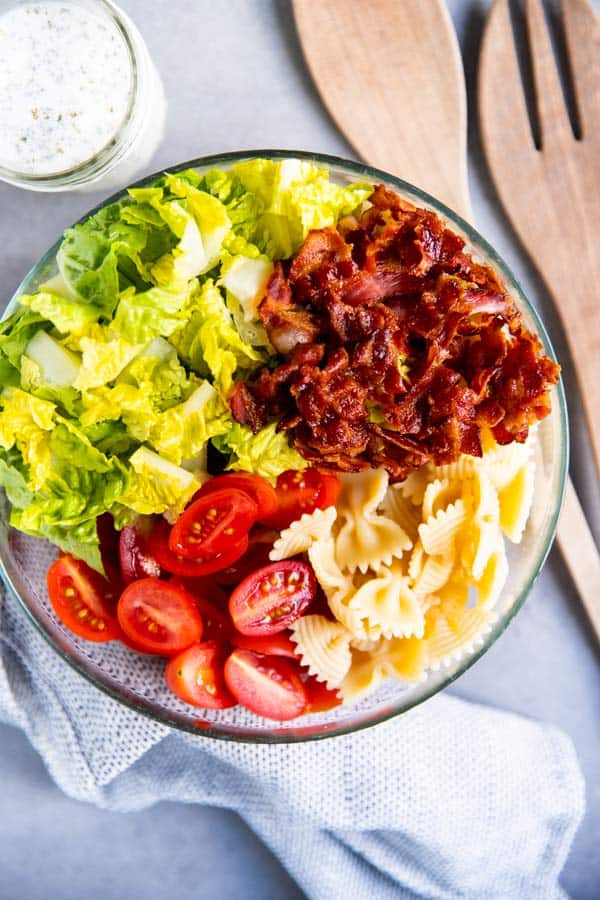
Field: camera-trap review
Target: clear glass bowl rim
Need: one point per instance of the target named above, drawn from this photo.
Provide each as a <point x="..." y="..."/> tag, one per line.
<point x="360" y="170"/>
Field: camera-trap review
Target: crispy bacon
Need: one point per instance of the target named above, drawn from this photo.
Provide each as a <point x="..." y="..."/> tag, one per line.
<point x="398" y="347"/>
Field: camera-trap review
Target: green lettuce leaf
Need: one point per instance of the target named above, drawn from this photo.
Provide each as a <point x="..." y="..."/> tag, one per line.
<point x="65" y="313"/>
<point x="32" y="381"/>
<point x="26" y="422"/>
<point x="158" y="370"/>
<point x="16" y="331"/>
<point x="210" y="342"/>
<point x="210" y="215"/>
<point x="267" y="453"/>
<point x="155" y="312"/>
<point x="156" y="485"/>
<point x="80" y="484"/>
<point x="13" y="478"/>
<point x="88" y="258"/>
<point x="65" y="510"/>
<point x="296" y="196"/>
<point x="9" y="374"/>
<point x="181" y="432"/>
<point x="104" y="356"/>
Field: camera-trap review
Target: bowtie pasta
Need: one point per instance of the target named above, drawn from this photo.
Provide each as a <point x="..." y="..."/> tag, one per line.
<point x="411" y="572"/>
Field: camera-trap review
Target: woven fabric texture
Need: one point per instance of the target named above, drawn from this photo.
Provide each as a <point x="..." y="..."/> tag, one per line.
<point x="449" y="800"/>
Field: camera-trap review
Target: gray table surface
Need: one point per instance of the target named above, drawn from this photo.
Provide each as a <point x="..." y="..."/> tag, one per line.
<point x="235" y="79"/>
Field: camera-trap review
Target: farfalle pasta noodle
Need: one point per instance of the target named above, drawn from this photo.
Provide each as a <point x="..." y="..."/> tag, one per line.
<point x="515" y="502"/>
<point x="395" y="505"/>
<point x="453" y="630"/>
<point x="303" y="533"/>
<point x="388" y="605"/>
<point x="366" y="538"/>
<point x="411" y="572"/>
<point x="324" y="647"/>
<point x="401" y="658"/>
<point x="438" y="532"/>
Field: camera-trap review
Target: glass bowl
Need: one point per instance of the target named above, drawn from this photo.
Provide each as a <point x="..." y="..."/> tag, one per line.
<point x="137" y="681"/>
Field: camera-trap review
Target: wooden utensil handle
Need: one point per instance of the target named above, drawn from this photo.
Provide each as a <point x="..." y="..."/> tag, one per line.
<point x="583" y="336"/>
<point x="580" y="555"/>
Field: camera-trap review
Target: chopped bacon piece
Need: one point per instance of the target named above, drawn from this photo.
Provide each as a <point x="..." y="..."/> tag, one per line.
<point x="287" y="324"/>
<point x="398" y="347"/>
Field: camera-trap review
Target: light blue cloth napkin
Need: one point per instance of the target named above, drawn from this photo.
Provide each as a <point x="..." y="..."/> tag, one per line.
<point x="449" y="800"/>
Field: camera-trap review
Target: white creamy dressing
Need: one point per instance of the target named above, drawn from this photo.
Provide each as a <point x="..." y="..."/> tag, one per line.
<point x="66" y="84"/>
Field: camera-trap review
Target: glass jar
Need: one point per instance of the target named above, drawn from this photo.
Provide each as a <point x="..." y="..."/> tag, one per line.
<point x="98" y="103"/>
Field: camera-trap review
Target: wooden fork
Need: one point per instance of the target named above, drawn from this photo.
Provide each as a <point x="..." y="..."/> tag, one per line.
<point x="551" y="194"/>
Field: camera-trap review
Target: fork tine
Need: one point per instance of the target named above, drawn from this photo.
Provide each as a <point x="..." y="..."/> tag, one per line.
<point x="501" y="97"/>
<point x="552" y="113"/>
<point x="582" y="29"/>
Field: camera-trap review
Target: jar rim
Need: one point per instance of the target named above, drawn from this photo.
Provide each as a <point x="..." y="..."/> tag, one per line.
<point x="97" y="164"/>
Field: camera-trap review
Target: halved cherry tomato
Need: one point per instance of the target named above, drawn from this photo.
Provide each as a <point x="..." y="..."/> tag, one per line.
<point x="267" y="685"/>
<point x="217" y="624"/>
<point x="255" y="557"/>
<point x="270" y="644"/>
<point x="82" y="599"/>
<point x="272" y="598"/>
<point x="159" y="616"/>
<point x="302" y="492"/>
<point x="320" y="698"/>
<point x="196" y="675"/>
<point x="132" y="645"/>
<point x="134" y="552"/>
<point x="205" y="586"/>
<point x="213" y="524"/>
<point x="256" y="487"/>
<point x="192" y="568"/>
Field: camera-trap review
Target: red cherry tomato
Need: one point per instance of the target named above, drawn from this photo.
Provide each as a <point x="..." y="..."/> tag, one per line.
<point x="256" y="487"/>
<point x="159" y="616"/>
<point x="320" y="698"/>
<point x="272" y="598"/>
<point x="177" y="565"/>
<point x="217" y="624"/>
<point x="213" y="524"/>
<point x="270" y="644"/>
<point x="267" y="685"/>
<point x="302" y="492"/>
<point x="82" y="599"/>
<point x="255" y="557"/>
<point x="134" y="552"/>
<point x="196" y="676"/>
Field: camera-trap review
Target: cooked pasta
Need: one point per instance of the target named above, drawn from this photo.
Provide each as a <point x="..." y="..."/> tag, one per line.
<point x="515" y="502"/>
<point x="301" y="534"/>
<point x="388" y="605"/>
<point x="366" y="538"/>
<point x="412" y="572"/>
<point x="438" y="532"/>
<point x="452" y="630"/>
<point x="324" y="647"/>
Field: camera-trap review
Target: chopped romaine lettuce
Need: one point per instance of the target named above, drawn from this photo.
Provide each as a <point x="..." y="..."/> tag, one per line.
<point x="104" y="357"/>
<point x="210" y="342"/>
<point x="57" y="367"/>
<point x="157" y="485"/>
<point x="117" y="372"/>
<point x="156" y="312"/>
<point x="267" y="453"/>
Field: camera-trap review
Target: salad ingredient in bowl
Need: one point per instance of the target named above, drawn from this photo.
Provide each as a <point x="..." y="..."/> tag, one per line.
<point x="279" y="428"/>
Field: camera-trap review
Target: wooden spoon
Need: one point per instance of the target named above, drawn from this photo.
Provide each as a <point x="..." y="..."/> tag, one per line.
<point x="391" y="75"/>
